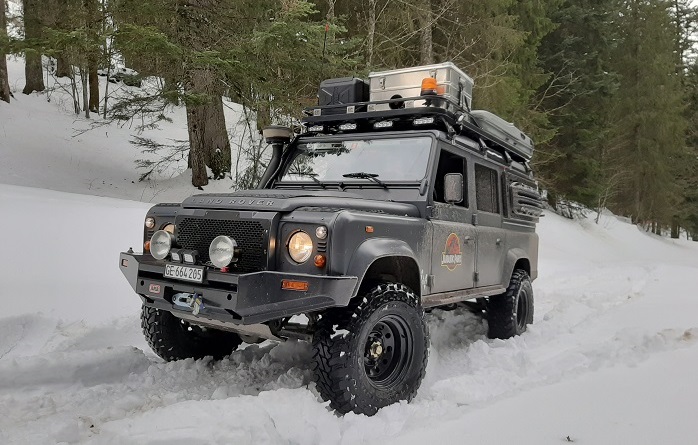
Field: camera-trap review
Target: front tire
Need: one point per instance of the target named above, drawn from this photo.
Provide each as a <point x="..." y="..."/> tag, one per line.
<point x="374" y="352"/>
<point x="509" y="314"/>
<point x="172" y="338"/>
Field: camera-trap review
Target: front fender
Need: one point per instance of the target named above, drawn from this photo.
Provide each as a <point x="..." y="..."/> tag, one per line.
<point x="374" y="249"/>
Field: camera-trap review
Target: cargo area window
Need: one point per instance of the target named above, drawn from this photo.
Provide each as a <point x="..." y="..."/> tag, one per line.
<point x="486" y="189"/>
<point x="450" y="163"/>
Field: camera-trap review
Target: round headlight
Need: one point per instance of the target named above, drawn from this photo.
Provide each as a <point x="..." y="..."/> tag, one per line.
<point x="170" y="228"/>
<point x="150" y="222"/>
<point x="160" y="244"/>
<point x="300" y="247"/>
<point x="222" y="251"/>
<point x="321" y="232"/>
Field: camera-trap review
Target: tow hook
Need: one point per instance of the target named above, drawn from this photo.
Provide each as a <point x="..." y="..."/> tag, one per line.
<point x="189" y="301"/>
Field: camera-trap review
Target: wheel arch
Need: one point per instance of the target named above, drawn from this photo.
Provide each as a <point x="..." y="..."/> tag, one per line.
<point x="384" y="259"/>
<point x="516" y="259"/>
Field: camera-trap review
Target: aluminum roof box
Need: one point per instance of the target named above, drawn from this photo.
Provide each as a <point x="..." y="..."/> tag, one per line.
<point x="407" y="82"/>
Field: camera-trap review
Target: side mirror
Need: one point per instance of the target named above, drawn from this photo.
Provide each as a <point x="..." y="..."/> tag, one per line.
<point x="453" y="188"/>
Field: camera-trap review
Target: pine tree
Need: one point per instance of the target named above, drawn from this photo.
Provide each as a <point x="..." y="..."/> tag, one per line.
<point x="649" y="132"/>
<point x="578" y="97"/>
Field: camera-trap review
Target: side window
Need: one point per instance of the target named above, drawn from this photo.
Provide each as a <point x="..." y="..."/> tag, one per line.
<point x="450" y="163"/>
<point x="486" y="189"/>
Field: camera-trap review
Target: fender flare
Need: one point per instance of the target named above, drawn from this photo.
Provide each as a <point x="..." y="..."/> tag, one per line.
<point x="513" y="256"/>
<point x="373" y="250"/>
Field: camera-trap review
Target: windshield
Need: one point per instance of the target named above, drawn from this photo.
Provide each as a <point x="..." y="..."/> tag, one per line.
<point x="400" y="159"/>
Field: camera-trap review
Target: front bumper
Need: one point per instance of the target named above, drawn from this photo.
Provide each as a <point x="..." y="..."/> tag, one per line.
<point x="242" y="299"/>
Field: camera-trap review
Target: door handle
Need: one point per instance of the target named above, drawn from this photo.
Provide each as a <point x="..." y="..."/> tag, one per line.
<point x="467" y="239"/>
<point x="499" y="241"/>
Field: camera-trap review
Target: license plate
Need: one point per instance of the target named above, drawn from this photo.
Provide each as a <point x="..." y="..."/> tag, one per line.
<point x="185" y="273"/>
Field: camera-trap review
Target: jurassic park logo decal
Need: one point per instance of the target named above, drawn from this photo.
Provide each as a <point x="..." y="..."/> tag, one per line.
<point x="452" y="256"/>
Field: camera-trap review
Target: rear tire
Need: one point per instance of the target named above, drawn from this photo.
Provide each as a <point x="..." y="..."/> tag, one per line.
<point x="508" y="314"/>
<point x="175" y="339"/>
<point x="374" y="352"/>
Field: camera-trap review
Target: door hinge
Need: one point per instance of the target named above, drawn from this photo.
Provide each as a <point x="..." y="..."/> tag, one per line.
<point x="476" y="276"/>
<point x="430" y="281"/>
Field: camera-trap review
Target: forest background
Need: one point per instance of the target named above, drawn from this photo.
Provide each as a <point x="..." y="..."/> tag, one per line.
<point x="608" y="89"/>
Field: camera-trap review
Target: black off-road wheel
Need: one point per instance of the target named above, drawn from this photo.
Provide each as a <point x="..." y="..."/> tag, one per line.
<point x="175" y="339"/>
<point x="374" y="352"/>
<point x="509" y="314"/>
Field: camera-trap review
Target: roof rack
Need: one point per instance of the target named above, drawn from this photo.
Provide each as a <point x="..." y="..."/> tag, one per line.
<point x="440" y="112"/>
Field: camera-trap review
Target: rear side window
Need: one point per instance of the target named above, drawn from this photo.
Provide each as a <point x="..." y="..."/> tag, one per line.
<point x="486" y="189"/>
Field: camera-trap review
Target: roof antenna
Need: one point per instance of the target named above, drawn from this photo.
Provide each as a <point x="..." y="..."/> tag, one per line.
<point x="324" y="43"/>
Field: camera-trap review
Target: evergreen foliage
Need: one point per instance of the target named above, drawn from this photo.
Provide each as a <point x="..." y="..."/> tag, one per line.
<point x="607" y="88"/>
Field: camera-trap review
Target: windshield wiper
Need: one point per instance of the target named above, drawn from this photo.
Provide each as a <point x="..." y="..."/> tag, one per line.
<point x="312" y="176"/>
<point x="363" y="175"/>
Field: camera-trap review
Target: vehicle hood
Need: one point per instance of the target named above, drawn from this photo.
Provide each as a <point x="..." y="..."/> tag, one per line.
<point x="290" y="200"/>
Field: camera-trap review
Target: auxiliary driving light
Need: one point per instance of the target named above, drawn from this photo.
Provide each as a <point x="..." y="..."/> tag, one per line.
<point x="222" y="251"/>
<point x="347" y="127"/>
<point x="190" y="256"/>
<point x="321" y="232"/>
<point x="300" y="247"/>
<point x="160" y="244"/>
<point x="176" y="255"/>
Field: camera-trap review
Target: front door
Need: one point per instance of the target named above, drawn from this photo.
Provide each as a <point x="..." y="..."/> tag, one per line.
<point x="453" y="242"/>
<point x="453" y="249"/>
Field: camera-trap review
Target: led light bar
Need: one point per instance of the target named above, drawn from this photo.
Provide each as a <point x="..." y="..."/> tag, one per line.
<point x="316" y="128"/>
<point x="423" y="121"/>
<point x="383" y="124"/>
<point x="347" y="126"/>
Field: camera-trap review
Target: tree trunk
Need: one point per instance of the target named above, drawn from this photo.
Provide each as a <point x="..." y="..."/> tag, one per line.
<point x="93" y="79"/>
<point x="4" y="81"/>
<point x="675" y="229"/>
<point x="196" y="124"/>
<point x="85" y="96"/>
<point x="32" y="33"/>
<point x="208" y="137"/>
<point x="371" y="30"/>
<point x="93" y="25"/>
<point x="426" y="42"/>
<point x="62" y="67"/>
<point x="217" y="141"/>
<point x="330" y="9"/>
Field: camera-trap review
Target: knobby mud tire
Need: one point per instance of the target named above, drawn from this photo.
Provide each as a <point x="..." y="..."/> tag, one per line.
<point x="174" y="339"/>
<point x="509" y="313"/>
<point x="341" y="353"/>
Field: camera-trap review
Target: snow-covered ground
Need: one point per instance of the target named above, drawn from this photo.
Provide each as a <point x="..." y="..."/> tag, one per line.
<point x="610" y="359"/>
<point x="44" y="144"/>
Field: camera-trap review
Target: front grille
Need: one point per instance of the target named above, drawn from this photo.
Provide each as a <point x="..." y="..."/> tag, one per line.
<point x="197" y="234"/>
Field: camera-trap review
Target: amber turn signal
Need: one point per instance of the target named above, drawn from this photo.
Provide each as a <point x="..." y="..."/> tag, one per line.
<point x="320" y="261"/>
<point x="301" y="286"/>
<point x="146" y="246"/>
